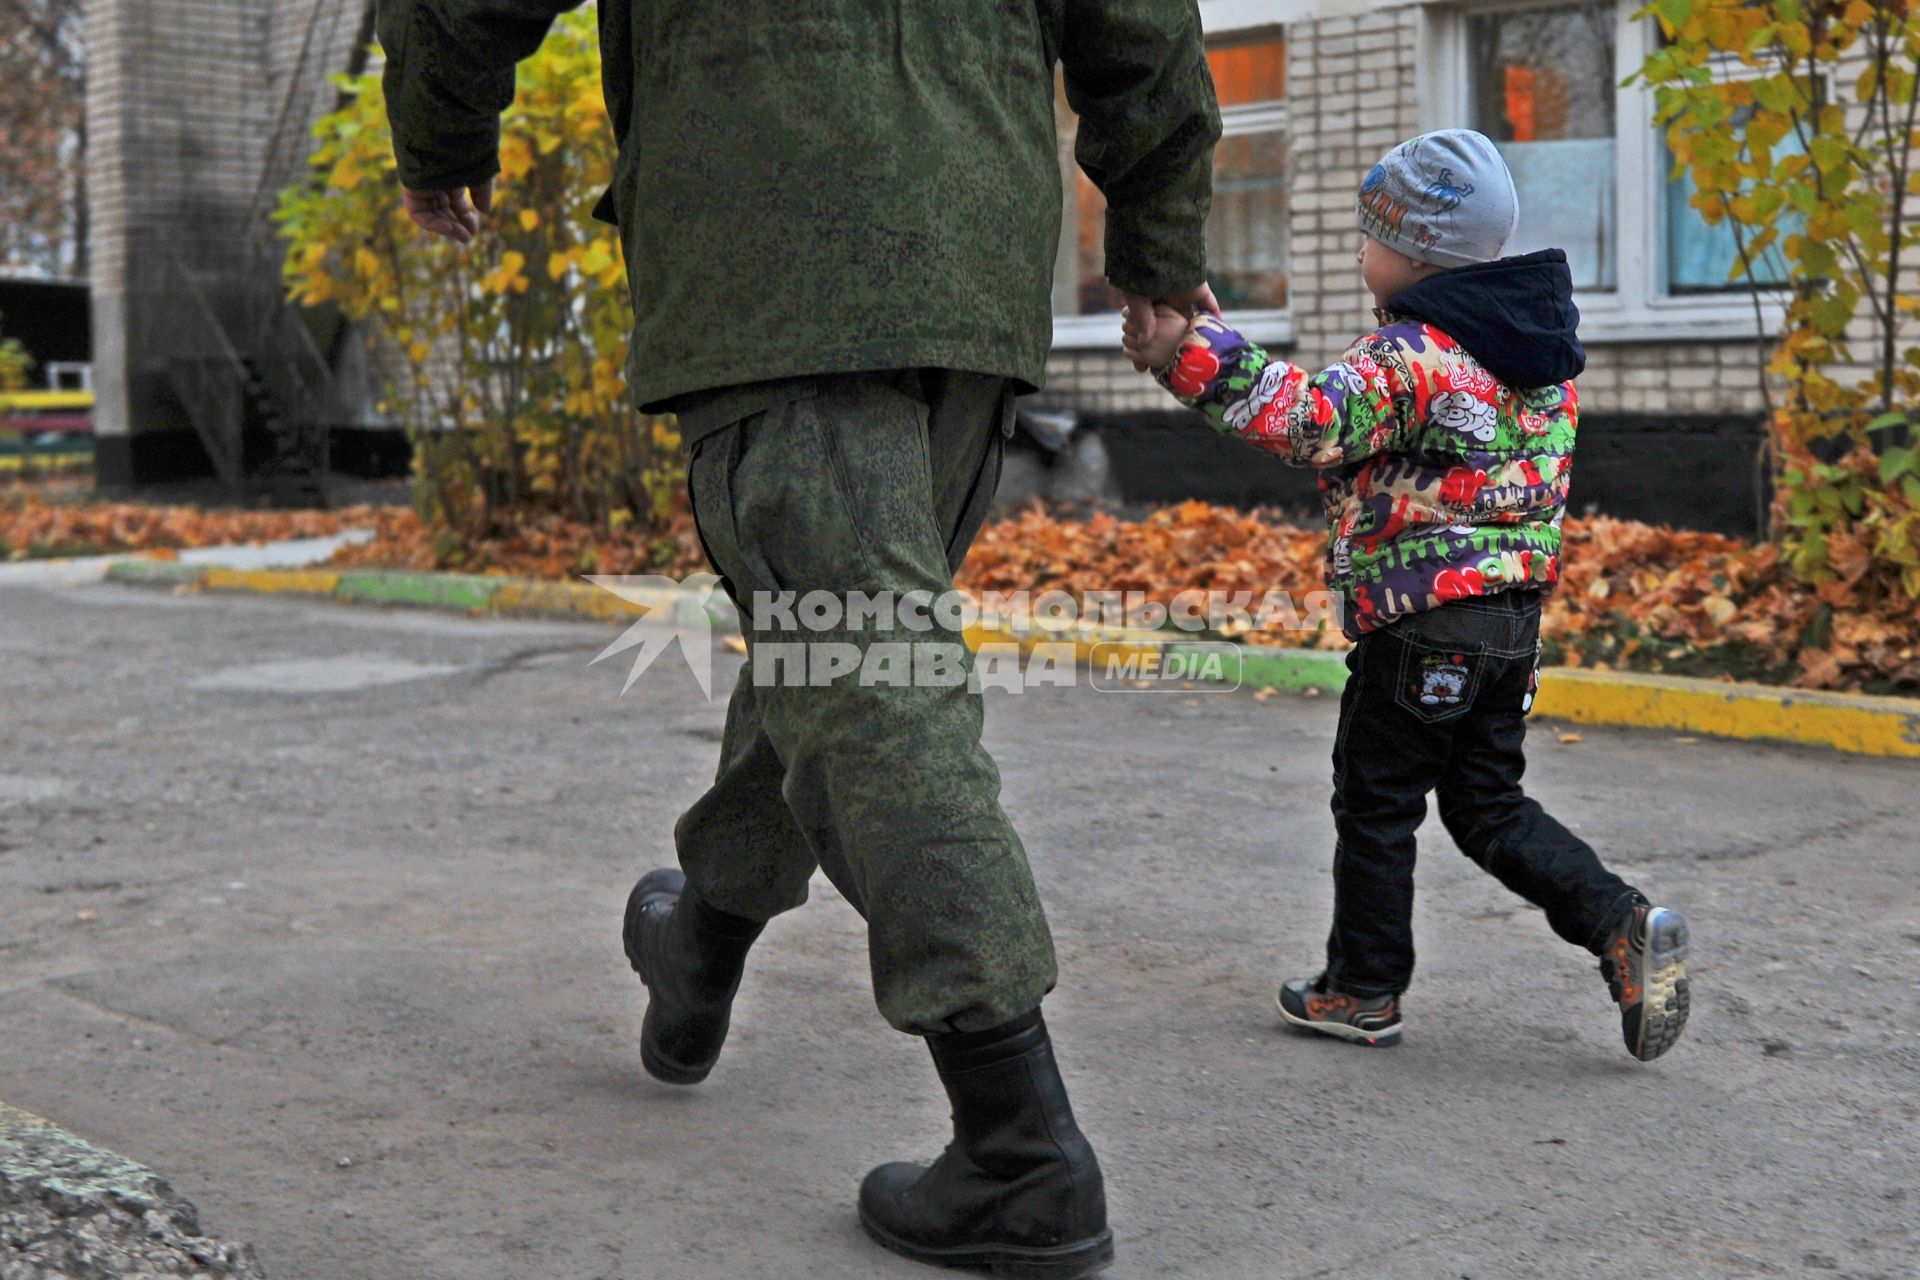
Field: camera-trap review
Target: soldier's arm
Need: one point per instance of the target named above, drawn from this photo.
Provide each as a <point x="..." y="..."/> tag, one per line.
<point x="449" y="76"/>
<point x="1136" y="74"/>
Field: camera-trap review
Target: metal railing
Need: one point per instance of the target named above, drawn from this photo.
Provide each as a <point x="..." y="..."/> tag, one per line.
<point x="207" y="373"/>
<point x="239" y="354"/>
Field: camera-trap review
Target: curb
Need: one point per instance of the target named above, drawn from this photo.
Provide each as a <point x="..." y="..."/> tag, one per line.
<point x="1853" y="723"/>
<point x="473" y="593"/>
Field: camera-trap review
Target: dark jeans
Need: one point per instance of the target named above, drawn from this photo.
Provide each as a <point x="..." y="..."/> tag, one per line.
<point x="1437" y="703"/>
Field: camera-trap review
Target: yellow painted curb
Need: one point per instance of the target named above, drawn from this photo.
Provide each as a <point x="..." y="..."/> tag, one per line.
<point x="304" y="582"/>
<point x="1855" y="723"/>
<point x="524" y="595"/>
<point x="1114" y="640"/>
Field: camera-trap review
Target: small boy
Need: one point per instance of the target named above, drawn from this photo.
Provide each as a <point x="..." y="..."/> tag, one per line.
<point x="1444" y="441"/>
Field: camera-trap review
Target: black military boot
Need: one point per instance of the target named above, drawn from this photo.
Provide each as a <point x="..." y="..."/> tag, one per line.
<point x="690" y="957"/>
<point x="1018" y="1190"/>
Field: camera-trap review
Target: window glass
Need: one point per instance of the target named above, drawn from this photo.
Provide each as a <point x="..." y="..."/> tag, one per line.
<point x="1701" y="257"/>
<point x="1247" y="232"/>
<point x="1543" y="84"/>
<point x="1249" y="73"/>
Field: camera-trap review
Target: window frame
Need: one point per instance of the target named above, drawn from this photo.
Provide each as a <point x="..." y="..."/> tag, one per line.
<point x="1228" y="23"/>
<point x="1639" y="308"/>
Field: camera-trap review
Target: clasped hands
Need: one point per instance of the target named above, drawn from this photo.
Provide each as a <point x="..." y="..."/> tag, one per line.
<point x="1151" y="328"/>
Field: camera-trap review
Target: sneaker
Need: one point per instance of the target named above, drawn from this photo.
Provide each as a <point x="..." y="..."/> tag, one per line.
<point x="1645" y="965"/>
<point x="1370" y="1020"/>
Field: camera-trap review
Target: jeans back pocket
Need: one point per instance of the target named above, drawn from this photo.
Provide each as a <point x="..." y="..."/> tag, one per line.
<point x="1439" y="681"/>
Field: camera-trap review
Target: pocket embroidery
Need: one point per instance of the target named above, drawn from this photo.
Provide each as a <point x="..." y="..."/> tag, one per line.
<point x="1440" y="679"/>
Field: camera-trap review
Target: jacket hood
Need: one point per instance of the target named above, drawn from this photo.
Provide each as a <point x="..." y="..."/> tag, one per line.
<point x="1515" y="316"/>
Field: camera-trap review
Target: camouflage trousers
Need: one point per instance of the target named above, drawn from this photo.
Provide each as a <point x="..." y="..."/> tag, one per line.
<point x="874" y="484"/>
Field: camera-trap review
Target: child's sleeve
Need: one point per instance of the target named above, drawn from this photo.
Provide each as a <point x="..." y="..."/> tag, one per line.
<point x="1327" y="419"/>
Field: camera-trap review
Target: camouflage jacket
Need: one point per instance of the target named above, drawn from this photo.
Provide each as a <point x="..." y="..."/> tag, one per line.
<point x="1440" y="481"/>
<point x="820" y="186"/>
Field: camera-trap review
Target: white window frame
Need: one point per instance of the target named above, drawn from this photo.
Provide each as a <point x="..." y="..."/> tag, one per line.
<point x="1227" y="23"/>
<point x="59" y="371"/>
<point x="1639" y="308"/>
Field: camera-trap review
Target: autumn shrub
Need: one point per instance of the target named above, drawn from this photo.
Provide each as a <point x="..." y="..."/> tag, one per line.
<point x="15" y="364"/>
<point x="505" y="359"/>
<point x="1797" y="121"/>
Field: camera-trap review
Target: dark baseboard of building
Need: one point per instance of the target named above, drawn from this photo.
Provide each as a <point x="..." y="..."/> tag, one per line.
<point x="1694" y="471"/>
<point x="369" y="453"/>
<point x="170" y="457"/>
<point x="152" y="457"/>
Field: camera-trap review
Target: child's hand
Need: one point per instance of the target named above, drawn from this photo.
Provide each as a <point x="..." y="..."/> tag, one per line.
<point x="1157" y="352"/>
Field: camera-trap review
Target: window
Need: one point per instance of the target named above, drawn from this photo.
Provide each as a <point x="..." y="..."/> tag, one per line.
<point x="1542" y="78"/>
<point x="1701" y="257"/>
<point x="1247" y="232"/>
<point x="69" y="376"/>
<point x="1543" y="89"/>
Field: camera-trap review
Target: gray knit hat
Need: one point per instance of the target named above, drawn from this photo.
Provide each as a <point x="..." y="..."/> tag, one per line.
<point x="1444" y="198"/>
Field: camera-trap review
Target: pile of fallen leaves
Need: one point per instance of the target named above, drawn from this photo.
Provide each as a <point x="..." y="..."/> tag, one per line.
<point x="32" y="527"/>
<point x="529" y="544"/>
<point x="1652" y="598"/>
<point x="1193" y="546"/>
<point x="1632" y="596"/>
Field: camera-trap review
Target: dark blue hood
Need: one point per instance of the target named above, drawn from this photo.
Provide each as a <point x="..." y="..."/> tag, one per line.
<point x="1515" y="316"/>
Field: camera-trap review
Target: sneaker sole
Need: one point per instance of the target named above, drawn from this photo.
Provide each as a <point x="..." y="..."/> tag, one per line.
<point x="1005" y="1261"/>
<point x="1386" y="1039"/>
<point x="1666" y="999"/>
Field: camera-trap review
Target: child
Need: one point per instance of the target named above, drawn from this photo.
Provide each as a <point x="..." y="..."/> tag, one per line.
<point x="1444" y="441"/>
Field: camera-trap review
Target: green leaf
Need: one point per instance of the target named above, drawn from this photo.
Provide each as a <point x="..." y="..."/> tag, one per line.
<point x="1869" y="83"/>
<point x="1766" y="202"/>
<point x="1674" y="12"/>
<point x="1829" y="153"/>
<point x="1816" y="257"/>
<point x="1895" y="463"/>
<point x="1776" y="93"/>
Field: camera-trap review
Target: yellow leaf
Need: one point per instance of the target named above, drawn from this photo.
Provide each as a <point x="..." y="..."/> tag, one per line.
<point x="516" y="157"/>
<point x="529" y="219"/>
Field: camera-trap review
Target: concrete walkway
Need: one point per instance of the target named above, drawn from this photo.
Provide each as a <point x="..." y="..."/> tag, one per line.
<point x="315" y="910"/>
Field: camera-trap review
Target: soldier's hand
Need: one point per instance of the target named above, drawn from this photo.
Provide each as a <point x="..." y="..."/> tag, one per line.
<point x="1142" y="323"/>
<point x="1169" y="331"/>
<point x="454" y="214"/>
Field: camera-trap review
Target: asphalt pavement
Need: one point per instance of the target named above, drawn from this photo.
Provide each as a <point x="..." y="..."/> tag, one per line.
<point x="315" y="909"/>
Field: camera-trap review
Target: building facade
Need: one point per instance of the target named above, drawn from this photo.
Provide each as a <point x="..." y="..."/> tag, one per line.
<point x="200" y="111"/>
<point x="1312" y="93"/>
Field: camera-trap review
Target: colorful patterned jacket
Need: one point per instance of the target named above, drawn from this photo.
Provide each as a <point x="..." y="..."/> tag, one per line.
<point x="1444" y="440"/>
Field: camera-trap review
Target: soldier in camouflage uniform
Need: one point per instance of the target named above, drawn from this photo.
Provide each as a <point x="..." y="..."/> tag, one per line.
<point x="840" y="220"/>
